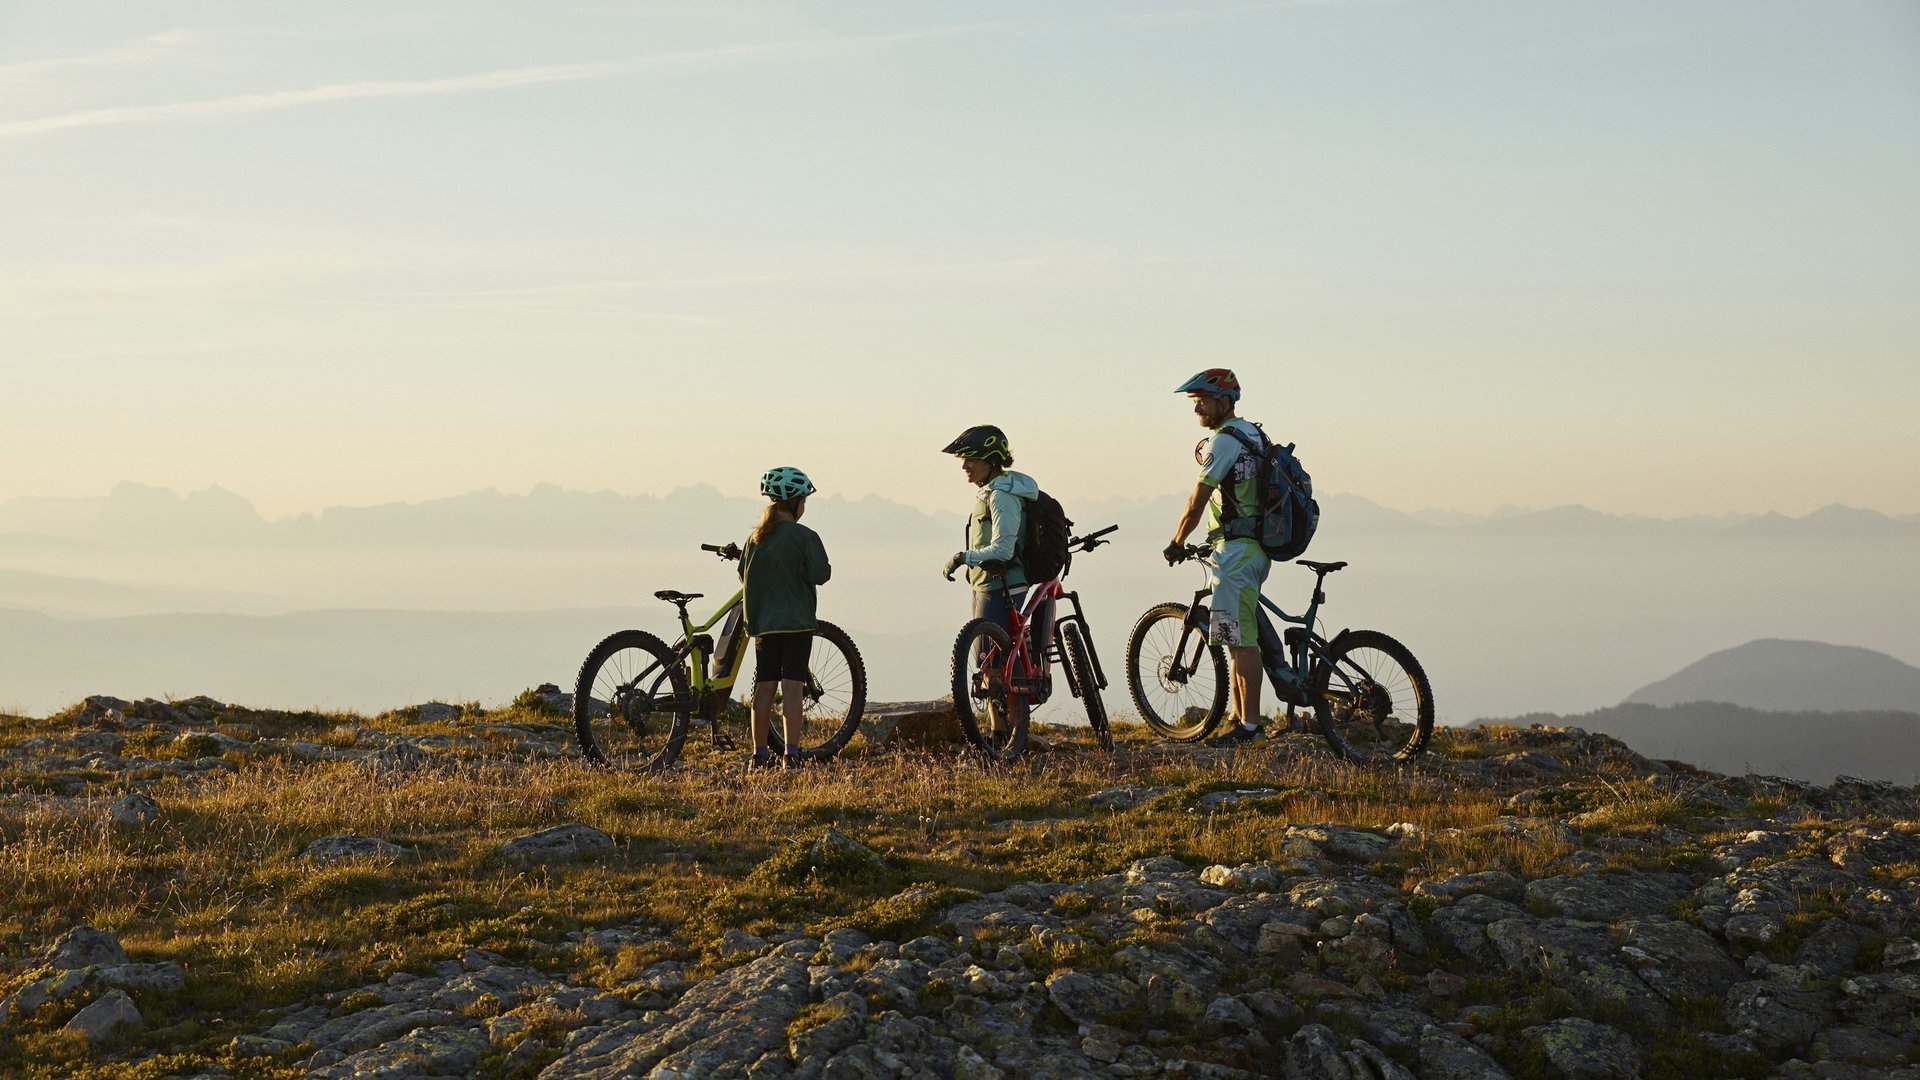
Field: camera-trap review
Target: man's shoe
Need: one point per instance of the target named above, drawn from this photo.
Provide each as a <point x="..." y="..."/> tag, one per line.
<point x="793" y="761"/>
<point x="762" y="760"/>
<point x="1239" y="736"/>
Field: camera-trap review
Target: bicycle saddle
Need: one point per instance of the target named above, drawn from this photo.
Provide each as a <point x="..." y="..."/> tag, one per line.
<point x="1320" y="567"/>
<point x="672" y="597"/>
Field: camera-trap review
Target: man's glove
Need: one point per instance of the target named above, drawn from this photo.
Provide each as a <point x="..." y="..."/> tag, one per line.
<point x="1175" y="552"/>
<point x="958" y="560"/>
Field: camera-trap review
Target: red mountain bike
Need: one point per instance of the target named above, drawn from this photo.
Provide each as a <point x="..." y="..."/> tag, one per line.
<point x="999" y="676"/>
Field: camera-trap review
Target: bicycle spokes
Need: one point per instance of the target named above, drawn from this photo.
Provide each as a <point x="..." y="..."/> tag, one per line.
<point x="1374" y="697"/>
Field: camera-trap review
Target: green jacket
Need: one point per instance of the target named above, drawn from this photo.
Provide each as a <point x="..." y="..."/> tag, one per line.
<point x="780" y="577"/>
<point x="993" y="530"/>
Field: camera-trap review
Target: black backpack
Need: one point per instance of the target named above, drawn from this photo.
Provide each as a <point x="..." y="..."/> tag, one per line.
<point x="1284" y="521"/>
<point x="1044" y="532"/>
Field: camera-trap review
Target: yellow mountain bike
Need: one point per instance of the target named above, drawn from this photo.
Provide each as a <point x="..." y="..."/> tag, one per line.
<point x="637" y="696"/>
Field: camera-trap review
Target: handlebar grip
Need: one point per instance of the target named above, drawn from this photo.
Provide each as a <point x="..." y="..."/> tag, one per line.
<point x="715" y="548"/>
<point x="1101" y="533"/>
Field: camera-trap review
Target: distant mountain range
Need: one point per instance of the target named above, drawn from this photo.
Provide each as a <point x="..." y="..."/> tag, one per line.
<point x="138" y="515"/>
<point x="1791" y="676"/>
<point x="1804" y="709"/>
<point x="1811" y="746"/>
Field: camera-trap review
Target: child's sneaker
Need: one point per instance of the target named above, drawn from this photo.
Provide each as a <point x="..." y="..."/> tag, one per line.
<point x="761" y="759"/>
<point x="793" y="761"/>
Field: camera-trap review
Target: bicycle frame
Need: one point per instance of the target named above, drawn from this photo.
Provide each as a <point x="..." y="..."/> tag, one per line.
<point x="1292" y="652"/>
<point x="699" y="648"/>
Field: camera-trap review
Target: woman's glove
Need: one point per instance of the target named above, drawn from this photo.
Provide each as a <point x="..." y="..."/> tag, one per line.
<point x="958" y="560"/>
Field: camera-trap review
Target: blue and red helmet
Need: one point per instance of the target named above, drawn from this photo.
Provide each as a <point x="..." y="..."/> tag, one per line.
<point x="1218" y="381"/>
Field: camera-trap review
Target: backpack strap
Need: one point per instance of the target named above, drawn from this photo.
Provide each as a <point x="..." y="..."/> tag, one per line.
<point x="1230" y="510"/>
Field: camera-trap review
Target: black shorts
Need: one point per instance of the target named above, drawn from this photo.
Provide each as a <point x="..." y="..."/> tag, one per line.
<point x="782" y="656"/>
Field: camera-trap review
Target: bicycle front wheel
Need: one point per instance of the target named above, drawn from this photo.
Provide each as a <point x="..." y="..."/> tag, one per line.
<point x="992" y="706"/>
<point x="1086" y="683"/>
<point x="631" y="703"/>
<point x="834" y="697"/>
<point x="1372" y="699"/>
<point x="1178" y="680"/>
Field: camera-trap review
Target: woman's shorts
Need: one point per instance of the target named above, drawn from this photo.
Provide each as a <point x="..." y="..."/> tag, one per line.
<point x="782" y="656"/>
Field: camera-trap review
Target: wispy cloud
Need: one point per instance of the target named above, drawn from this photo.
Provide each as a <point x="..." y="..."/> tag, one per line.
<point x="166" y="45"/>
<point x="250" y="104"/>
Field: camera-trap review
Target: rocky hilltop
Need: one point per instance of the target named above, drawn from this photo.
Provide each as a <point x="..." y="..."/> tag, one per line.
<point x="194" y="889"/>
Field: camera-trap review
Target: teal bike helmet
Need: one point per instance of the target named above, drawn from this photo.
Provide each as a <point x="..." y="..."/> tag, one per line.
<point x="1217" y="381"/>
<point x="785" y="482"/>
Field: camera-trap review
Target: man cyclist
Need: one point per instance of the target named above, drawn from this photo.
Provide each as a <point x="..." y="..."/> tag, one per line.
<point x="1228" y="490"/>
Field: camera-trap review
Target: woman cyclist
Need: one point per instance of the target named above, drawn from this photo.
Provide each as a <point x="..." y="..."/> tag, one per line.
<point x="993" y="529"/>
<point x="780" y="568"/>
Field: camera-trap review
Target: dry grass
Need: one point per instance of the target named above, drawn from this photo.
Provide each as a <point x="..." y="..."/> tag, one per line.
<point x="218" y="885"/>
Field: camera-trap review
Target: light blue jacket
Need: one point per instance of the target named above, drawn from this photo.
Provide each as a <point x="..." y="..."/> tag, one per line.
<point x="994" y="529"/>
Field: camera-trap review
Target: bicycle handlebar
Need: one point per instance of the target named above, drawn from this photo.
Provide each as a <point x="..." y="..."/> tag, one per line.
<point x="1191" y="551"/>
<point x="1091" y="540"/>
<point x="730" y="552"/>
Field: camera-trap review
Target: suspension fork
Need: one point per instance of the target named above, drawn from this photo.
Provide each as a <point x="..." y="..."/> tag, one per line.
<point x="1196" y="623"/>
<point x="1086" y="635"/>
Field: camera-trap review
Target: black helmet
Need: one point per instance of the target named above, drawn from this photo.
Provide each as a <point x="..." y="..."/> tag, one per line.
<point x="982" y="442"/>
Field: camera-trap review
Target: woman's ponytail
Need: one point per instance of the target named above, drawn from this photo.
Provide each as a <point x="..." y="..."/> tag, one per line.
<point x="768" y="517"/>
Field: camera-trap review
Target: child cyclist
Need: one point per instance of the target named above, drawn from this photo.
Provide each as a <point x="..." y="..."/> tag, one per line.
<point x="780" y="568"/>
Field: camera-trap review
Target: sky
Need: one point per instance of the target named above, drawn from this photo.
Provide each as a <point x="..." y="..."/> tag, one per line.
<point x="1654" y="258"/>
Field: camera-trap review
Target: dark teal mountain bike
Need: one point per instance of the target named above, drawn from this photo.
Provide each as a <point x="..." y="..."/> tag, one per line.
<point x="1370" y="698"/>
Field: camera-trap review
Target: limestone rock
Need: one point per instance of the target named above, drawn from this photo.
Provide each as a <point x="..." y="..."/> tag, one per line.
<point x="720" y="1027"/>
<point x="1583" y="1050"/>
<point x="105" y="1021"/>
<point x="134" y="810"/>
<point x="911" y="723"/>
<point x="83" y="946"/>
<point x="560" y="844"/>
<point x="1446" y="1056"/>
<point x="346" y="846"/>
<point x="1603" y="896"/>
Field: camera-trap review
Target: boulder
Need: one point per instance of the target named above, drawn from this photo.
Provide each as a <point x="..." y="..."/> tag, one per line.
<point x="1580" y="1049"/>
<point x="329" y="849"/>
<point x="83" y="946"/>
<point x="1604" y="897"/>
<point x="107" y="1020"/>
<point x="134" y="811"/>
<point x="560" y="844"/>
<point x="1446" y="1056"/>
<point x="1087" y="998"/>
<point x="911" y="723"/>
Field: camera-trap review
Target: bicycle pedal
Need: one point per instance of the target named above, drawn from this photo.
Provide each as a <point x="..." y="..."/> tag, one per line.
<point x="723" y="741"/>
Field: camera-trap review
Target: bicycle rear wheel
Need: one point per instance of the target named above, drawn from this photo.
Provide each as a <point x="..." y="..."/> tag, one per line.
<point x="834" y="697"/>
<point x="993" y="709"/>
<point x="1372" y="699"/>
<point x="1181" y="697"/>
<point x="1086" y="683"/>
<point x="631" y="703"/>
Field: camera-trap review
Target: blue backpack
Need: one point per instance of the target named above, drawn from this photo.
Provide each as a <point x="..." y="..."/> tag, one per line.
<point x="1286" y="516"/>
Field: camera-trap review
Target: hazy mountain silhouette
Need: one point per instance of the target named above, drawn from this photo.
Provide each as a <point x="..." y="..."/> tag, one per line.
<point x="1512" y="611"/>
<point x="1791" y="676"/>
<point x="136" y="514"/>
<point x="1812" y="746"/>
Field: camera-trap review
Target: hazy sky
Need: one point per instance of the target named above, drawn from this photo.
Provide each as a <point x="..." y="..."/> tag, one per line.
<point x="1653" y="257"/>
